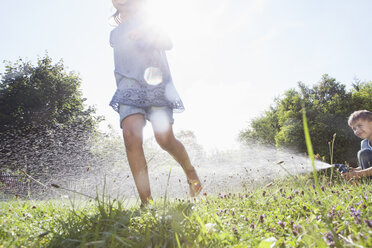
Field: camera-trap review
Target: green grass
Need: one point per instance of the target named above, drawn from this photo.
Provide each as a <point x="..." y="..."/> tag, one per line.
<point x="291" y="213"/>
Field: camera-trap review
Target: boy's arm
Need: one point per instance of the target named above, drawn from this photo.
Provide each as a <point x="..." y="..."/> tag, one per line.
<point x="355" y="174"/>
<point x="366" y="172"/>
<point x="355" y="169"/>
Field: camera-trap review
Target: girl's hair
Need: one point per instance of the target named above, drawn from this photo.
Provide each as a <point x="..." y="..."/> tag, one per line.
<point x="115" y="19"/>
<point x="360" y="115"/>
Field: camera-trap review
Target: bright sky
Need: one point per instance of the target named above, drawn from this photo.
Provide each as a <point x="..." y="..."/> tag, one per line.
<point x="230" y="59"/>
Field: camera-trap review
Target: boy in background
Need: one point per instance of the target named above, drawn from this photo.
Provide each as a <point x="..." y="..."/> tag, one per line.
<point x="361" y="123"/>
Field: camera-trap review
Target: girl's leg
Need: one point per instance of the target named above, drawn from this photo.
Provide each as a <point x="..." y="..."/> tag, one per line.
<point x="133" y="140"/>
<point x="175" y="148"/>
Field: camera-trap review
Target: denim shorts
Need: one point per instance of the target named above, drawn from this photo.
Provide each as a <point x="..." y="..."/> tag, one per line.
<point x="152" y="114"/>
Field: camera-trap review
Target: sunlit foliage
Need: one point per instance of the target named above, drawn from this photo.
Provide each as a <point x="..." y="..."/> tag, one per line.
<point x="328" y="105"/>
<point x="43" y="117"/>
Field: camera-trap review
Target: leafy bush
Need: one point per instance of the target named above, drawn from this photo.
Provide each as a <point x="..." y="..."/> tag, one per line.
<point x="44" y="124"/>
<point x="328" y="105"/>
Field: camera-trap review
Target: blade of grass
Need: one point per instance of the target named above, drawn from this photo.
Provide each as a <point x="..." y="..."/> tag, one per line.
<point x="166" y="189"/>
<point x="178" y="240"/>
<point x="311" y="155"/>
<point x="331" y="154"/>
<point x="310" y="147"/>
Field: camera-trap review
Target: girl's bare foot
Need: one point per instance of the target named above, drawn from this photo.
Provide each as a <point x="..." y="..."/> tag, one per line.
<point x="194" y="182"/>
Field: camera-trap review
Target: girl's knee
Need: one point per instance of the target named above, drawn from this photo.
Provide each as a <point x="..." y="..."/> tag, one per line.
<point x="132" y="130"/>
<point x="132" y="138"/>
<point x="164" y="140"/>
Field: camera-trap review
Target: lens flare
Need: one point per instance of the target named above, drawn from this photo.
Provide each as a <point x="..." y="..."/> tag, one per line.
<point x="160" y="121"/>
<point x="153" y="75"/>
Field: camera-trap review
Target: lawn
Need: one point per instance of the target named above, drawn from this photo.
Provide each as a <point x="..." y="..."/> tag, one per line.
<point x="286" y="213"/>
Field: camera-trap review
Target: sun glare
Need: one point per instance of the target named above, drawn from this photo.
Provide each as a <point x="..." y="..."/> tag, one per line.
<point x="160" y="13"/>
<point x="173" y="16"/>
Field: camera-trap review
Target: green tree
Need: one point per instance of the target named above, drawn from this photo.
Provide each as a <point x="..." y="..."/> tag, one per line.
<point x="362" y="95"/>
<point x="44" y="123"/>
<point x="41" y="96"/>
<point x="263" y="129"/>
<point x="328" y="105"/>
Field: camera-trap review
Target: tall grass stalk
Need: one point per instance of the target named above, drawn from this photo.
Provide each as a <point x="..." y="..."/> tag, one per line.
<point x="331" y="147"/>
<point x="178" y="241"/>
<point x="310" y="148"/>
<point x="166" y="188"/>
<point x="311" y="155"/>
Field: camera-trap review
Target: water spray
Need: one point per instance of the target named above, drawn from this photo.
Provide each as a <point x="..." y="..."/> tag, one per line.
<point x="35" y="180"/>
<point x="72" y="191"/>
<point x="52" y="186"/>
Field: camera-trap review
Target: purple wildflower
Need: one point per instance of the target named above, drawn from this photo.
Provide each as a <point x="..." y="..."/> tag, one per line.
<point x="297" y="228"/>
<point x="281" y="223"/>
<point x="262" y="217"/>
<point x="368" y="222"/>
<point x="328" y="236"/>
<point x="235" y="230"/>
